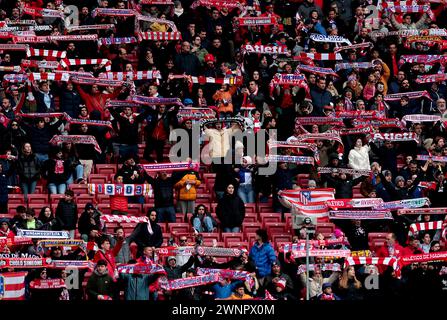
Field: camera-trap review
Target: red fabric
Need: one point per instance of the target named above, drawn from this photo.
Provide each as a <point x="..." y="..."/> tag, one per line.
<point x="98" y="101"/>
<point x="119" y="203"/>
<point x="109" y="256"/>
<point x="7" y="234"/>
<point x="383" y="252"/>
<point x="159" y="132"/>
<point x="395" y="67"/>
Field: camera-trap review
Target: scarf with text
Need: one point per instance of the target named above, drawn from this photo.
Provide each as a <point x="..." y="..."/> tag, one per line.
<point x="39" y="284"/>
<point x="61" y="243"/>
<point x="148" y="101"/>
<point x="96" y="81"/>
<point x="355" y="131"/>
<point x="379" y="122"/>
<point x="331" y="39"/>
<point x="183" y="283"/>
<point x="423" y="226"/>
<point x="159" y="36"/>
<point x="409" y="95"/>
<point x="90" y="27"/>
<point x="312" y="209"/>
<point x="365" y="114"/>
<point x="39" y="64"/>
<point x="16" y="241"/>
<point x="133" y="75"/>
<point x="317" y="70"/>
<point x="113" y="12"/>
<point x="413" y="9"/>
<point x="43" y="115"/>
<point x="264" y="49"/>
<point x="171" y="166"/>
<point x="176" y="251"/>
<point x="226" y="273"/>
<point x="108" y="218"/>
<point x="388" y="261"/>
<point x="116" y="41"/>
<point x="396" y="136"/>
<point x="218" y="252"/>
<point x="419" y="211"/>
<point x="424" y="257"/>
<point x="94" y="123"/>
<point x="323" y="253"/>
<point x="31" y="52"/>
<point x="76" y="139"/>
<point x="46" y="39"/>
<point x="360" y="214"/>
<point x="121" y="104"/>
<point x="256" y="21"/>
<point x="424" y="157"/>
<point x="41" y="12"/>
<point x="127" y="190"/>
<point x="72" y="264"/>
<point x="13" y="47"/>
<point x="288" y="247"/>
<point x="216" y="3"/>
<point x="43" y="234"/>
<point x="306" y="121"/>
<point x="151" y="268"/>
<point x="354" y="203"/>
<point x="418" y="118"/>
<point x="323" y="267"/>
<point x="300" y="145"/>
<point x="429" y="78"/>
<point x="421" y="58"/>
<point x="354" y="46"/>
<point x="404" y="204"/>
<point x="23" y="263"/>
<point x="291" y="159"/>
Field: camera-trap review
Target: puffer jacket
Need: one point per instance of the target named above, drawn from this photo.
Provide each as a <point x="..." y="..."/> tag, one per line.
<point x="67" y="214"/>
<point x="28" y="168"/>
<point x="183" y="193"/>
<point x="100" y="284"/>
<point x="263" y="257"/>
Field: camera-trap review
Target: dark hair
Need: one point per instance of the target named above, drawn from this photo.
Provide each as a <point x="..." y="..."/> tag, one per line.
<point x="21" y="209"/>
<point x="150" y="210"/>
<point x="117" y="228"/>
<point x="42" y="217"/>
<point x="103" y="239"/>
<point x="69" y="192"/>
<point x="196" y="211"/>
<point x="263" y="234"/>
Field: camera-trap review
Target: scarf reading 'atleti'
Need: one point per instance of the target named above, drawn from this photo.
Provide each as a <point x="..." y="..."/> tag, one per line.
<point x="404" y="204"/>
<point x="119" y="218"/>
<point x="409" y="95"/>
<point x="377" y="122"/>
<point x="264" y="49"/>
<point x="291" y="159"/>
<point x="95" y="81"/>
<point x="90" y="27"/>
<point x="288" y="247"/>
<point x="429" y="78"/>
<point x="392" y="262"/>
<point x="47" y="284"/>
<point x="16" y="241"/>
<point x="354" y="46"/>
<point x="354" y="203"/>
<point x="360" y="214"/>
<point x="323" y="253"/>
<point x="127" y="190"/>
<point x="424" y="157"/>
<point x="41" y="12"/>
<point x="216" y="3"/>
<point x="43" y="234"/>
<point x="318" y="121"/>
<point x="31" y="52"/>
<point x="80" y="62"/>
<point x="424" y="257"/>
<point x="135" y="75"/>
<point x="423" y="226"/>
<point x="396" y="136"/>
<point x="323" y="267"/>
<point x="25" y="263"/>
<point x="171" y="166"/>
<point x="39" y="64"/>
<point x="183" y="283"/>
<point x="148" y="101"/>
<point x="116" y="41"/>
<point x="159" y="36"/>
<point x="353" y="65"/>
<point x="141" y="269"/>
<point x="420" y="211"/>
<point x="320" y="56"/>
<point x="76" y="139"/>
<point x="317" y="70"/>
<point x="113" y="12"/>
<point x="418" y="118"/>
<point x="256" y="21"/>
<point x="332" y="39"/>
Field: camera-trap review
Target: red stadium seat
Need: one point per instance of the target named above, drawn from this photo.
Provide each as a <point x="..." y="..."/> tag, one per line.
<point x="250" y="207"/>
<point x="251" y="227"/>
<point x="250" y="237"/>
<point x="98" y="178"/>
<point x="105" y="169"/>
<point x="376" y="239"/>
<point x="267" y="217"/>
<point x="135" y="209"/>
<point x="265" y="207"/>
<point x="55" y="198"/>
<point x="325" y="228"/>
<point x="16" y="199"/>
<point x="250" y="217"/>
<point x="281" y="238"/>
<point x="78" y="188"/>
<point x="179" y="217"/>
<point x="179" y="227"/>
<point x="203" y="197"/>
<point x="104" y="208"/>
<point x="276" y="228"/>
<point x="38" y="198"/>
<point x="243" y="244"/>
<point x="102" y="198"/>
<point x="37" y="207"/>
<point x="232" y="237"/>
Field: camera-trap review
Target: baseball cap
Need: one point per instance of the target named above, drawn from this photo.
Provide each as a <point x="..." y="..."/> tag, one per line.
<point x="209" y="57"/>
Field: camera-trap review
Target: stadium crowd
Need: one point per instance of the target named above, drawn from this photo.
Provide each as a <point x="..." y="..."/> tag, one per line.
<point x="346" y="97"/>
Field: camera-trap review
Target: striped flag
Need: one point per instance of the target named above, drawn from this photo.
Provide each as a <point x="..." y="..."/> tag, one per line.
<point x="12" y="285"/>
<point x="306" y="196"/>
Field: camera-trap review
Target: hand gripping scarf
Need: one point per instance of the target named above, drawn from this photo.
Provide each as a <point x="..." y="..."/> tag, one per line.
<point x="127" y="190"/>
<point x="47" y="284"/>
<point x="396" y="136"/>
<point x="76" y="139"/>
<point x="360" y="214"/>
<point x="354" y="203"/>
<point x="331" y="39"/>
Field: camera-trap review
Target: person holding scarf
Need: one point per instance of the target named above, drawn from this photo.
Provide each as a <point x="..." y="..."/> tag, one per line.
<point x="108" y="255"/>
<point x="147" y="234"/>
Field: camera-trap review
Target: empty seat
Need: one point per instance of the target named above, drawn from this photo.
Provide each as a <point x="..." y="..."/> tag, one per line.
<point x="325" y="228"/>
<point x="250" y="207"/>
<point x="16" y="199"/>
<point x="210" y="236"/>
<point x="276" y="228"/>
<point x="250" y="217"/>
<point x="250" y="237"/>
<point x="376" y="239"/>
<point x="178" y="227"/>
<point x="78" y="188"/>
<point x="268" y="217"/>
<point x="105" y="169"/>
<point x="243" y="244"/>
<point x="38" y="198"/>
<point x="98" y="178"/>
<point x="104" y="208"/>
<point x="55" y="198"/>
<point x="102" y="198"/>
<point x="135" y="209"/>
<point x="265" y="207"/>
<point x="281" y="238"/>
<point x="232" y="237"/>
<point x="251" y="227"/>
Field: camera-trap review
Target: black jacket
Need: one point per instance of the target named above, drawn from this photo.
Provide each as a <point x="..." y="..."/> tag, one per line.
<point x="230" y="211"/>
<point x="128" y="130"/>
<point x="176" y="272"/>
<point x="84" y="224"/>
<point x="28" y="168"/>
<point x="67" y="214"/>
<point x="187" y="63"/>
<point x="143" y="238"/>
<point x="69" y="102"/>
<point x="40" y="138"/>
<point x="49" y="168"/>
<point x="163" y="191"/>
<point x="343" y="188"/>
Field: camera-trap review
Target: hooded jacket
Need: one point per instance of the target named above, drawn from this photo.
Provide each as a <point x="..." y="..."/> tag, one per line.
<point x="263" y="257"/>
<point x="136" y="286"/>
<point x="183" y="193"/>
<point x="143" y="238"/>
<point x="100" y="284"/>
<point x="230" y="211"/>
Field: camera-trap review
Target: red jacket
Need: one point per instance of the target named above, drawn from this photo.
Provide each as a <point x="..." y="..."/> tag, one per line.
<point x="109" y="256"/>
<point x="383" y="253"/>
<point x="119" y="203"/>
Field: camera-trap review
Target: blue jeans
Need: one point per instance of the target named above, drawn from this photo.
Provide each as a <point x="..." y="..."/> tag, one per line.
<point x="246" y="193"/>
<point x="28" y="188"/>
<point x="207" y="222"/>
<point x="79" y="172"/>
<point x="166" y="214"/>
<point x="41" y="157"/>
<point x="234" y="229"/>
<point x="57" y="188"/>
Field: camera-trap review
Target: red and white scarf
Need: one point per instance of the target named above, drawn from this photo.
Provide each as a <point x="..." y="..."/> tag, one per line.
<point x="39" y="64"/>
<point x="331" y="39"/>
<point x="301" y="244"/>
<point x="21" y="263"/>
<point x="184" y="283"/>
<point x="388" y="261"/>
<point x="355" y="131"/>
<point x="418" y="118"/>
<point x="149" y="101"/>
<point x="423" y="257"/>
<point x="305" y="121"/>
<point x="159" y="36"/>
<point x="301" y="145"/>
<point x="327" y="170"/>
<point x="90" y="27"/>
<point x="218" y="251"/>
<point x="354" y="46"/>
<point x="419" y="211"/>
<point x="132" y="75"/>
<point x="396" y="136"/>
<point x="323" y="267"/>
<point x="151" y="268"/>
<point x="96" y="81"/>
<point x="108" y="218"/>
<point x="422" y="226"/>
<point x="113" y="12"/>
<point x="35" y="76"/>
<point x="320" y="56"/>
<point x="76" y="139"/>
<point x="404" y="204"/>
<point x="424" y="157"/>
<point x="366" y="114"/>
<point x="31" y="52"/>
<point x="13" y="47"/>
<point x="126" y="190"/>
<point x="80" y="62"/>
<point x="46" y="39"/>
<point x="47" y="284"/>
<point x="94" y="123"/>
<point x="290" y="159"/>
<point x="421" y="58"/>
<point x="43" y="115"/>
<point x="264" y="49"/>
<point x="353" y="65"/>
<point x="16" y="241"/>
<point x="429" y="78"/>
<point x="172" y="166"/>
<point x="43" y="12"/>
<point x="256" y="21"/>
<point x="412" y="9"/>
<point x="354" y="203"/>
<point x="323" y="253"/>
<point x="121" y="103"/>
<point x="360" y="214"/>
<point x="317" y="70"/>
<point x="379" y="122"/>
<point x="116" y="41"/>
<point x="410" y="95"/>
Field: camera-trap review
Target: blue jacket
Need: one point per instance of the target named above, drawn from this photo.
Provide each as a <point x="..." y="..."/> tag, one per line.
<point x="222" y="292"/>
<point x="263" y="257"/>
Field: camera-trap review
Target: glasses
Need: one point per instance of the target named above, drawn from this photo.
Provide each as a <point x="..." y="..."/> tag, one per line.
<point x="182" y="240"/>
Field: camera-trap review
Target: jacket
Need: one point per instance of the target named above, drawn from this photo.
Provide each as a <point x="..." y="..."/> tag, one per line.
<point x="263" y="257"/>
<point x="136" y="286"/>
<point x="183" y="193"/>
<point x="128" y="129"/>
<point x="50" y="174"/>
<point x="176" y="272"/>
<point x="124" y="255"/>
<point x="28" y="168"/>
<point x="84" y="224"/>
<point x="163" y="192"/>
<point x="109" y="256"/>
<point x="219" y="141"/>
<point x="359" y="158"/>
<point x="187" y="63"/>
<point x="3" y="188"/>
<point x="230" y="211"/>
<point x="69" y="102"/>
<point x="40" y="138"/>
<point x="320" y="98"/>
<point x="67" y="214"/>
<point x="100" y="284"/>
<point x="40" y="100"/>
<point x="143" y="238"/>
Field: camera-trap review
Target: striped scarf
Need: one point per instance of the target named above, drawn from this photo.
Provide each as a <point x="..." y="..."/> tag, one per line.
<point x="108" y="218"/>
<point x="174" y="166"/>
<point x="410" y="95"/>
<point x="34" y="76"/>
<point x="291" y="159"/>
<point x="41" y="12"/>
<point x="207" y="80"/>
<point x="320" y="56"/>
<point x="354" y="46"/>
<point x="354" y="203"/>
<point x="327" y="170"/>
<point x="334" y="267"/>
<point x="318" y="121"/>
<point x="429" y="78"/>
<point x="76" y="139"/>
<point x="80" y="62"/>
<point x="413" y="9"/>
<point x="90" y="27"/>
<point x="96" y="81"/>
<point x="133" y="75"/>
<point x="183" y="283"/>
<point x="148" y="101"/>
<point x="39" y="64"/>
<point x="256" y="21"/>
<point x="159" y="36"/>
<point x="317" y="70"/>
<point x="113" y="12"/>
<point x="392" y="262"/>
<point x="422" y="226"/>
<point x="421" y="58"/>
<point x="13" y="47"/>
<point x="418" y="118"/>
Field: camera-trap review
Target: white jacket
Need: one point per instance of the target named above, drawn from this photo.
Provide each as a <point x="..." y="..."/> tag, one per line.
<point x="359" y="158"/>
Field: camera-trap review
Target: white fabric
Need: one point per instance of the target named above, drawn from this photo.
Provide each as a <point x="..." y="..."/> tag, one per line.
<point x="359" y="158"/>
